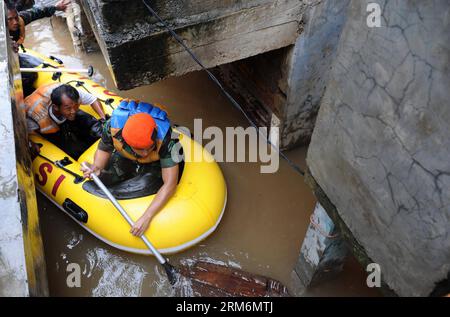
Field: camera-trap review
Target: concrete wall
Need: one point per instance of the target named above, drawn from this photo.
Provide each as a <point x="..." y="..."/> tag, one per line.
<point x="83" y="37"/>
<point x="259" y="84"/>
<point x="308" y="65"/>
<point x="275" y="55"/>
<point x="22" y="263"/>
<point x="381" y="147"/>
<point x="218" y="32"/>
<point x="286" y="86"/>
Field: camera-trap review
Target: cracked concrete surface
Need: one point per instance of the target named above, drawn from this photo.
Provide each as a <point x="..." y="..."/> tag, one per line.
<point x="308" y="68"/>
<point x="381" y="146"/>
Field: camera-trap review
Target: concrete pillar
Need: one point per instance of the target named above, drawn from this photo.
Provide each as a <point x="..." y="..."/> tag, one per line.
<point x="81" y="32"/>
<point x="308" y="64"/>
<point x="323" y="251"/>
<point x="380" y="146"/>
<point x="22" y="263"/>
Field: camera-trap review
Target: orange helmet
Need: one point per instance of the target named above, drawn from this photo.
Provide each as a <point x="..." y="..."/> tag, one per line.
<point x="138" y="130"/>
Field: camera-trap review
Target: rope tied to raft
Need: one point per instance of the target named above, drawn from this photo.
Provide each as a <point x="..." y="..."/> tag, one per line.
<point x="80" y="83"/>
<point x="321" y="231"/>
<point x="219" y="84"/>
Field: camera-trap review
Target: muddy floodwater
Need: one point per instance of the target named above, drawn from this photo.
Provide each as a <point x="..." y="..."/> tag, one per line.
<point x="263" y="225"/>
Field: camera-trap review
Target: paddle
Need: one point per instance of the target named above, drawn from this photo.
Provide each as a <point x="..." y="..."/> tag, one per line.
<point x="170" y="270"/>
<point x="205" y="278"/>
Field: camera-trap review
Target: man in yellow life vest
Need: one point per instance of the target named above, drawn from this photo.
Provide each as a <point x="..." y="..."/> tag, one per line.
<point x="138" y="139"/>
<point x="53" y="111"/>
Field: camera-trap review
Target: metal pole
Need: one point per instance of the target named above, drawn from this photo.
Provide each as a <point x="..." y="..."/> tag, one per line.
<point x="89" y="71"/>
<point x="100" y="184"/>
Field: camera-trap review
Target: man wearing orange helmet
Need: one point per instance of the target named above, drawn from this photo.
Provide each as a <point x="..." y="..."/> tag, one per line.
<point x="138" y="139"/>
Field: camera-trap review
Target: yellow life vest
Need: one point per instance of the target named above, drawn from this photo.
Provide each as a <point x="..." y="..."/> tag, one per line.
<point x="37" y="108"/>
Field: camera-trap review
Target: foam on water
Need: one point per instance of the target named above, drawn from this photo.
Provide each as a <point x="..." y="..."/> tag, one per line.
<point x="119" y="276"/>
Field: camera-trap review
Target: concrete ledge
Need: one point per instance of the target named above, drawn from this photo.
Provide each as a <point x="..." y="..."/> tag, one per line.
<point x="252" y="28"/>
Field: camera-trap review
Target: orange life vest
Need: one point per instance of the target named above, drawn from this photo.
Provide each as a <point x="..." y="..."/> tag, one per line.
<point x="37" y="108"/>
<point x="22" y="31"/>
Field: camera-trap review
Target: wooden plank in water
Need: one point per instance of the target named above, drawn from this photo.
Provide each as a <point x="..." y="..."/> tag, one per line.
<point x="209" y="279"/>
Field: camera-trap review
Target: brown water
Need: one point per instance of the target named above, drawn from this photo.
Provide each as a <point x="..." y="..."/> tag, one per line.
<point x="264" y="222"/>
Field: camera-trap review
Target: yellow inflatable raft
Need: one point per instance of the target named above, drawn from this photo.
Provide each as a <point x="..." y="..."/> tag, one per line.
<point x="190" y="216"/>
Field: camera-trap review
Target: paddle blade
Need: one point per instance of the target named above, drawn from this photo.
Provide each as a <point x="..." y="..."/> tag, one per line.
<point x="208" y="279"/>
<point x="172" y="273"/>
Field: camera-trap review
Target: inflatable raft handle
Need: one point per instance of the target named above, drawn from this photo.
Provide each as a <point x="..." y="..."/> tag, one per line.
<point x="76" y="211"/>
<point x="56" y="59"/>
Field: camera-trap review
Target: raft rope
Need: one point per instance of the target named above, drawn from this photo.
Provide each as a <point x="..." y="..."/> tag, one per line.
<point x="320" y="230"/>
<point x="78" y="178"/>
<point x="217" y="82"/>
<point x="80" y="83"/>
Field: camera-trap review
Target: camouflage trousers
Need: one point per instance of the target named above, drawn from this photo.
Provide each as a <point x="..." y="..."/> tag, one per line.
<point x="120" y="169"/>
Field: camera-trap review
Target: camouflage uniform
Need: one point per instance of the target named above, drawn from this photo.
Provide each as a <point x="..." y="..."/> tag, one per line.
<point x="120" y="168"/>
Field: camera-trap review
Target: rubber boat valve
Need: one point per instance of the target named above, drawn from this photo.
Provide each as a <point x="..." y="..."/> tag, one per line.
<point x="90" y="71"/>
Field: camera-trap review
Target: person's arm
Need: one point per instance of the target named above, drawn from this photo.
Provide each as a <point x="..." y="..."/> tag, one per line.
<point x="97" y="106"/>
<point x="103" y="153"/>
<point x="101" y="159"/>
<point x="36" y="13"/>
<point x="170" y="179"/>
<point x="89" y="99"/>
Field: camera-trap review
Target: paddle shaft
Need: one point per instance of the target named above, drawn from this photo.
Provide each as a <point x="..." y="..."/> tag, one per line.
<point x="89" y="70"/>
<point x="122" y="211"/>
